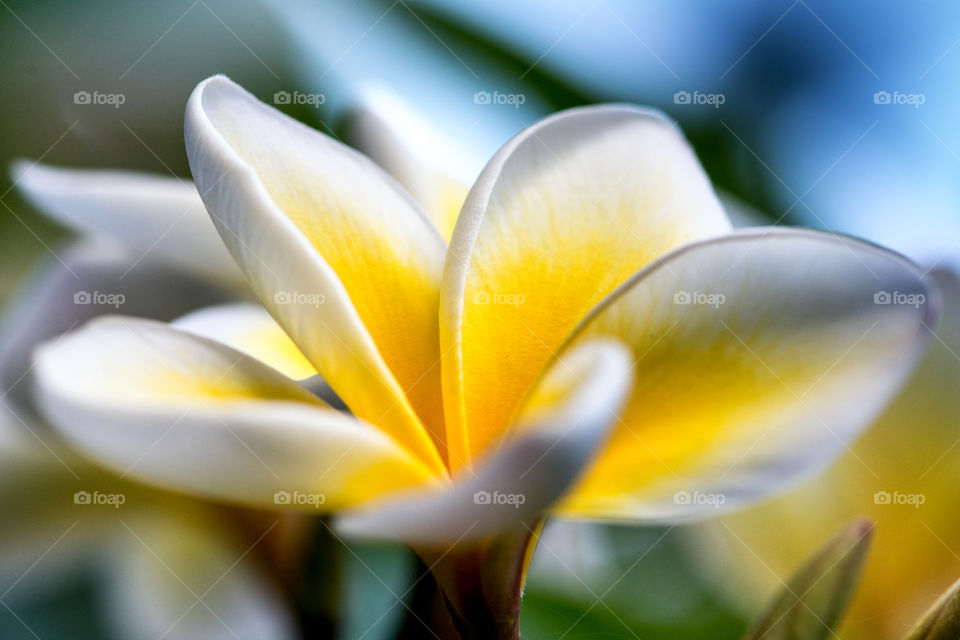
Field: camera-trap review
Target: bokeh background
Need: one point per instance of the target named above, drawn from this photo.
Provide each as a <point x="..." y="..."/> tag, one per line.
<point x="806" y="112"/>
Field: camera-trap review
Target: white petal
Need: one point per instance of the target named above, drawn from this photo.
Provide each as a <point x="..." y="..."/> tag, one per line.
<point x="435" y="169"/>
<point x="150" y="216"/>
<point x="88" y="280"/>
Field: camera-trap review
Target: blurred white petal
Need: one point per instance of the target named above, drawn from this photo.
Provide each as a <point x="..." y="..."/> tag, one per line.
<point x="87" y="280"/>
<point x="178" y="576"/>
<point x="148" y="215"/>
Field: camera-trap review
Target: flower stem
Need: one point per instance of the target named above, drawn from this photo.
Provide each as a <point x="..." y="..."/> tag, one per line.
<point x="482" y="583"/>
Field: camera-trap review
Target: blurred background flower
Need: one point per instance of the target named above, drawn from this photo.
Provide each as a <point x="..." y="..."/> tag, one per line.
<point x="834" y="115"/>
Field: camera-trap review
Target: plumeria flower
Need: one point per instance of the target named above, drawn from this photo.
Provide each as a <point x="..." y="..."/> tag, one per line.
<point x="594" y="342"/>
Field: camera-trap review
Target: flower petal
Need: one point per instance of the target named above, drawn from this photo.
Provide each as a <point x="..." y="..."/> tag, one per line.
<point x="60" y="295"/>
<point x="429" y="165"/>
<point x="151" y="216"/>
<point x="911" y="453"/>
<point x="186" y="413"/>
<point x="759" y="357"/>
<point x="560" y="429"/>
<point x="248" y="328"/>
<point x="336" y="251"/>
<point x="564" y="213"/>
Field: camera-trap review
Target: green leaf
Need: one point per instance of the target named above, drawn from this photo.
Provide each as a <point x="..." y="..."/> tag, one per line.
<point x="812" y="603"/>
<point x="942" y="620"/>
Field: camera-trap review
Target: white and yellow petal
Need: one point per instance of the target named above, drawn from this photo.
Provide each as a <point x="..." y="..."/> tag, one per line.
<point x="185" y="413"/>
<point x="759" y="357"/>
<point x="561" y="215"/>
<point x="336" y="251"/>
<point x="248" y="328"/>
<point x="154" y="218"/>
<point x="560" y="429"/>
